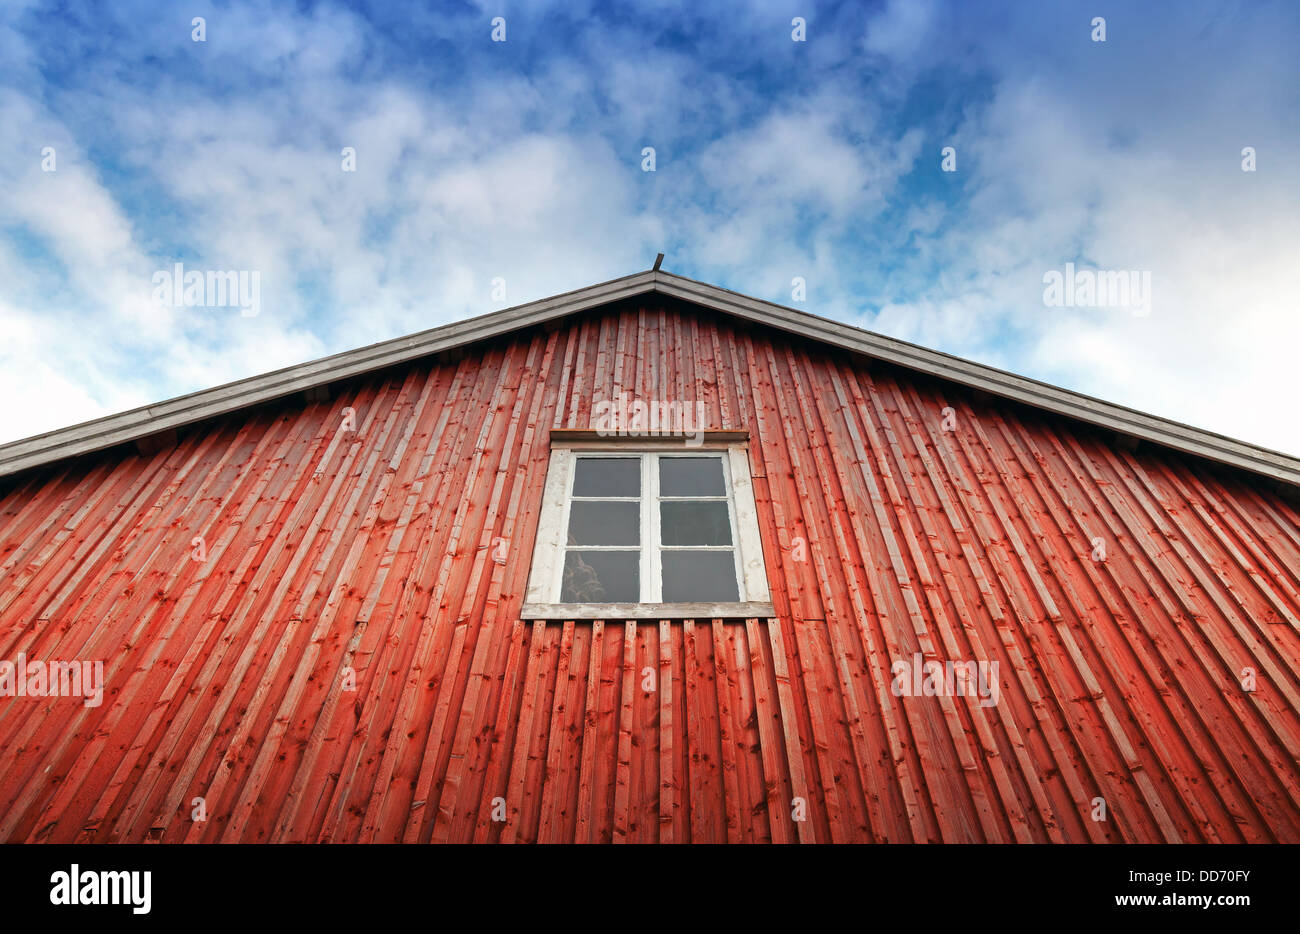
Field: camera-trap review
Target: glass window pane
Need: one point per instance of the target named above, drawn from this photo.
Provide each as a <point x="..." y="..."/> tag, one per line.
<point x="607" y="476"/>
<point x="601" y="577"/>
<point x="604" y="523"/>
<point x="698" y="523"/>
<point x="700" y="577"/>
<point x="690" y="476"/>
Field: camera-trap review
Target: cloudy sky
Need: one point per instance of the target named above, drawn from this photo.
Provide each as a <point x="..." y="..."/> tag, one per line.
<point x="127" y="147"/>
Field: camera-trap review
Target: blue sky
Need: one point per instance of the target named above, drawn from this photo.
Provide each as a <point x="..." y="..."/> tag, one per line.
<point x="774" y="159"/>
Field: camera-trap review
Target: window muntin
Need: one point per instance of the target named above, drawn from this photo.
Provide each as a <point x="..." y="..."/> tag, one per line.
<point x="636" y="523"/>
<point x="604" y="519"/>
<point x="697" y="554"/>
<point x="650" y="530"/>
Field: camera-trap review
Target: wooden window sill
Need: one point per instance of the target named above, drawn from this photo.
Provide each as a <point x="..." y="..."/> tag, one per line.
<point x="616" y="611"/>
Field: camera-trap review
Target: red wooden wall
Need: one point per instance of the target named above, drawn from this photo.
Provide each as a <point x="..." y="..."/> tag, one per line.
<point x="375" y="551"/>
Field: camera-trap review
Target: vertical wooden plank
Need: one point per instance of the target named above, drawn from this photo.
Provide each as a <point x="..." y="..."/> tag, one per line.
<point x="624" y="821"/>
<point x="723" y="677"/>
<point x="588" y="821"/>
<point x="554" y="790"/>
<point x="702" y="807"/>
<point x="769" y="717"/>
<point x="667" y="768"/>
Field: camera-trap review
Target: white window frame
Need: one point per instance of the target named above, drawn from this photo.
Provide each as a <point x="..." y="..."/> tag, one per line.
<point x="546" y="575"/>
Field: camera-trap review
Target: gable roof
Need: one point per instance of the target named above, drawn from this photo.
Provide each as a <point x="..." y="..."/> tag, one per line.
<point x="185" y="410"/>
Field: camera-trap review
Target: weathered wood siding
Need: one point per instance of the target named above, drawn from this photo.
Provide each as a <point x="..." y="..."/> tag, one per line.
<point x="400" y="551"/>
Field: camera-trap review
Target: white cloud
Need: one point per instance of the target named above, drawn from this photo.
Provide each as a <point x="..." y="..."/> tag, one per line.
<point x="1102" y="164"/>
<point x="900" y="29"/>
<point x="1066" y="152"/>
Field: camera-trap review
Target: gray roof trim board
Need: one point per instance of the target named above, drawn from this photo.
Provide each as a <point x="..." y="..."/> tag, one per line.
<point x="185" y="410"/>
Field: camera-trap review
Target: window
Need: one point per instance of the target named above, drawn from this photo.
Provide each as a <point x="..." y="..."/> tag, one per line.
<point x="647" y="531"/>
